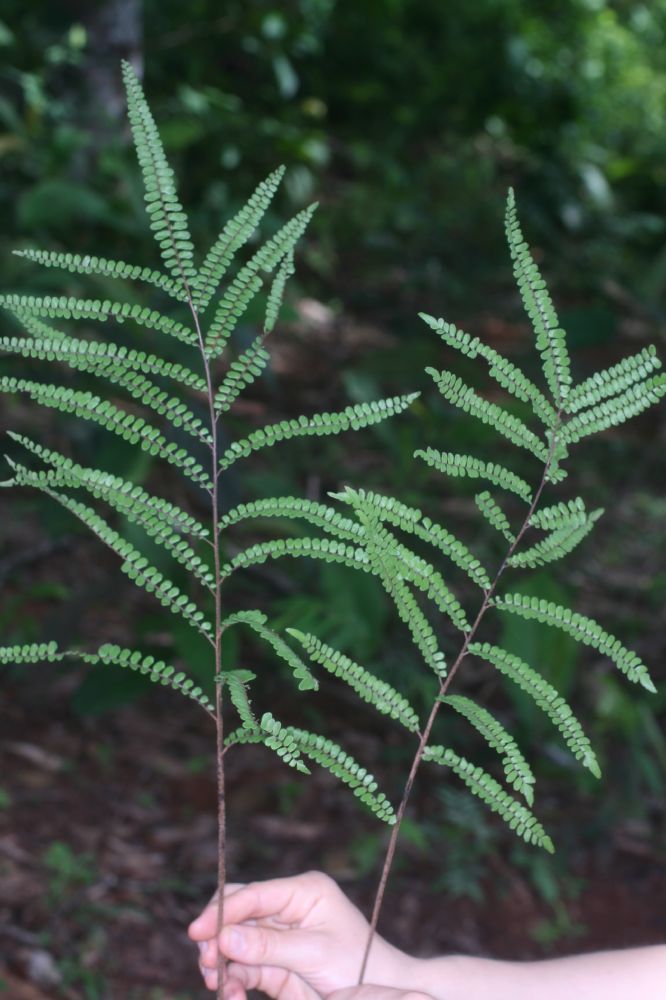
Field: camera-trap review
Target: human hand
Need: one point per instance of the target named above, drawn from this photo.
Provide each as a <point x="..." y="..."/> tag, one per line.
<point x="289" y="930"/>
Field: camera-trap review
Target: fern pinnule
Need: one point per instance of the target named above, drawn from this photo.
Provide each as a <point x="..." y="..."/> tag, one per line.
<point x="85" y="264"/>
<point x="494" y="515"/>
<point x="452" y="464"/>
<point x="70" y="307"/>
<point x="550" y="338"/>
<point x="581" y="628"/>
<point x="507" y="374"/>
<point x="517" y="771"/>
<point x="614" y="380"/>
<point x="616" y="410"/>
<point x="168" y="221"/>
<point x="296" y="508"/>
<point x="351" y="418"/>
<point x="517" y="816"/>
<point x="558" y="543"/>
<point x="371" y="689"/>
<point x="236" y="233"/>
<point x="545" y="696"/>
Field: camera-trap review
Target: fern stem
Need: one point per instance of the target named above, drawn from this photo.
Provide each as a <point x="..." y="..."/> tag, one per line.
<point x="219" y="704"/>
<point x="444" y="685"/>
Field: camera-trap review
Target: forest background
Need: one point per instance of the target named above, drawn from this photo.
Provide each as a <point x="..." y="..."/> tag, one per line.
<point x="407" y="120"/>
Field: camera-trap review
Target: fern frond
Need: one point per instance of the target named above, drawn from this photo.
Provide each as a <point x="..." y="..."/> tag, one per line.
<point x="77" y="264"/>
<point x="100" y="358"/>
<point x="351" y="418"/>
<point x="34" y="652"/>
<point x="509" y="376"/>
<point x="452" y="464"/>
<point x="108" y="654"/>
<point x="558" y="543"/>
<point x="249" y="281"/>
<point x="614" y="380"/>
<point x="517" y="771"/>
<point x="168" y="221"/>
<point x="275" y="737"/>
<point x="237" y="684"/>
<point x="36" y="327"/>
<point x="64" y="307"/>
<point x="121" y="494"/>
<point x="566" y="513"/>
<point x="151" y="521"/>
<point x="550" y="338"/>
<point x="412" y="521"/>
<point x="100" y="411"/>
<point x="276" y="294"/>
<point x="155" y="670"/>
<point x="393" y="561"/>
<point x="333" y="758"/>
<point x="494" y="515"/>
<point x="325" y="549"/>
<point x="583" y="629"/>
<point x="292" y="508"/>
<point x="615" y="411"/>
<point x="235" y="234"/>
<point x="545" y="696"/>
<point x="459" y="394"/>
<point x="481" y="784"/>
<point x="257" y="622"/>
<point x="371" y="689"/>
<point x="134" y="565"/>
<point x="242" y="373"/>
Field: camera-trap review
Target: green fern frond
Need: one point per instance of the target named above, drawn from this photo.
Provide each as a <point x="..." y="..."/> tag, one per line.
<point x="325" y="549"/>
<point x="151" y="521"/>
<point x="517" y="771"/>
<point x="100" y="411"/>
<point x="77" y="264"/>
<point x="333" y="758"/>
<point x="583" y="629"/>
<point x="566" y="513"/>
<point x="235" y="235"/>
<point x="371" y="689"/>
<point x="615" y="411"/>
<point x="121" y="494"/>
<point x="67" y="307"/>
<point x="257" y="622"/>
<point x="351" y="418"/>
<point x="275" y="737"/>
<point x="452" y="464"/>
<point x="545" y="696"/>
<point x="36" y="327"/>
<point x="249" y="281"/>
<point x="134" y="565"/>
<point x="108" y="654"/>
<point x="509" y="376"/>
<point x="392" y="561"/>
<point x="613" y="380"/>
<point x="276" y="294"/>
<point x="98" y="357"/>
<point x="34" y="652"/>
<point x="318" y="514"/>
<point x="412" y="521"/>
<point x="557" y="544"/>
<point x="494" y="515"/>
<point x="480" y="783"/>
<point x="155" y="670"/>
<point x="242" y="373"/>
<point x="550" y="338"/>
<point x="236" y="682"/>
<point x="168" y="221"/>
<point x="459" y="394"/>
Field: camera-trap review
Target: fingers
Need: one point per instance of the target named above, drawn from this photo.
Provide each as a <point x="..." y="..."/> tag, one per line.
<point x="204" y="926"/>
<point x="293" y="950"/>
<point x="287" y="898"/>
<point x="274" y="982"/>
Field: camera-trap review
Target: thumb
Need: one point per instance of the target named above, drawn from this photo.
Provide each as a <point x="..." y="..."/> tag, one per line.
<point x="292" y="950"/>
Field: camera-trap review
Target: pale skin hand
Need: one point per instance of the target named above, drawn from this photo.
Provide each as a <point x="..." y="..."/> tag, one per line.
<point x="302" y="927"/>
<point x="304" y="940"/>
